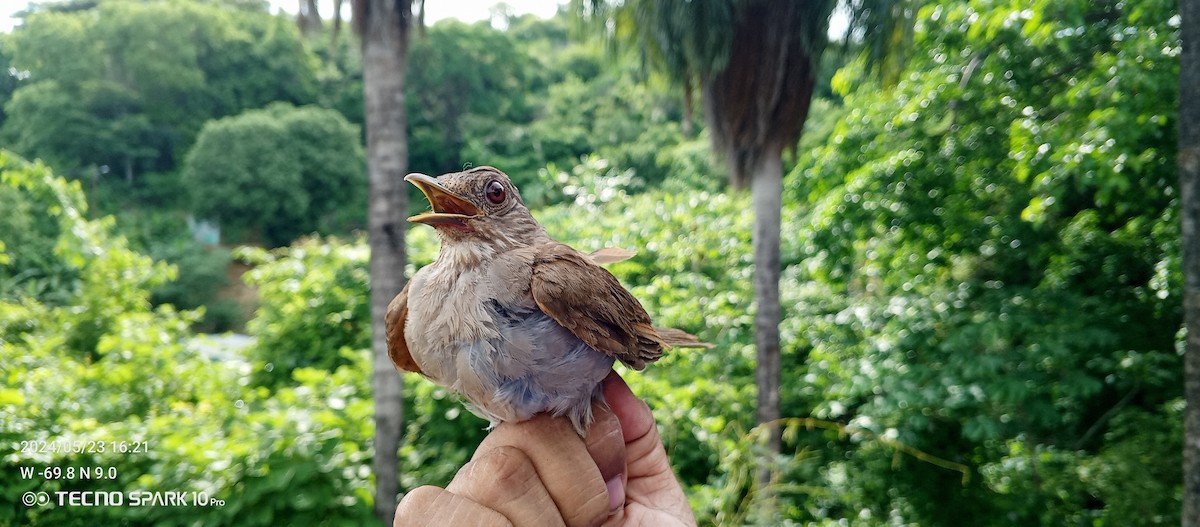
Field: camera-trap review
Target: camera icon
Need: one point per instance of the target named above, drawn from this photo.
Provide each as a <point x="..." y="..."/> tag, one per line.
<point x="31" y="499"/>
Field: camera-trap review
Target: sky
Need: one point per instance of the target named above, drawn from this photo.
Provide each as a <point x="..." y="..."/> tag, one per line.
<point x="465" y="10"/>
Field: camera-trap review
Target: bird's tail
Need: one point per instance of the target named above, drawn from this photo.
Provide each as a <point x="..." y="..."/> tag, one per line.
<point x="678" y="338"/>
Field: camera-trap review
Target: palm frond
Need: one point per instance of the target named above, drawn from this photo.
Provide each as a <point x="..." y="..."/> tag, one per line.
<point x="883" y="29"/>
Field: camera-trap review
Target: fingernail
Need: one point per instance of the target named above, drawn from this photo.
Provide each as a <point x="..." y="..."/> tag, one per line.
<point x="616" y="493"/>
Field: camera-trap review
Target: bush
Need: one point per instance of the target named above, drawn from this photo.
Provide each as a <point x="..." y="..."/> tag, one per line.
<point x="313" y="302"/>
<point x="123" y="371"/>
<point x="28" y="266"/>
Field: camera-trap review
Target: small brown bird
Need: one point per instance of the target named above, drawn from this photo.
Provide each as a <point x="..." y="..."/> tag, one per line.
<point x="514" y="321"/>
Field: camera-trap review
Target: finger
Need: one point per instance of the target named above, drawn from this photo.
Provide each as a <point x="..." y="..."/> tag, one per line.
<point x="430" y="506"/>
<point x="632" y="413"/>
<point x="606" y="444"/>
<point x="650" y="480"/>
<point x="504" y="480"/>
<point x="644" y="451"/>
<point x="562" y="463"/>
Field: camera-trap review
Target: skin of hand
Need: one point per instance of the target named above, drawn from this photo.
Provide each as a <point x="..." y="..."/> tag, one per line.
<point x="540" y="472"/>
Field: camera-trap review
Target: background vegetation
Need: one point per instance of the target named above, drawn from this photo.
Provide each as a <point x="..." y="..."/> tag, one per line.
<point x="981" y="262"/>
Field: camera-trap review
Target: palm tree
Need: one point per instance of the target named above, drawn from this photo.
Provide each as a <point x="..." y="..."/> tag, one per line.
<point x="308" y="17"/>
<point x="1189" y="197"/>
<point x="756" y="62"/>
<point x="384" y="27"/>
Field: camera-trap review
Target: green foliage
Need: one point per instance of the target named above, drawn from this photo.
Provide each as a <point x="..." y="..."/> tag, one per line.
<point x="528" y="98"/>
<point x="8" y="79"/>
<point x="271" y="175"/>
<point x="201" y="274"/>
<point x="127" y="85"/>
<point x="27" y="238"/>
<point x="991" y="253"/>
<point x="333" y="165"/>
<point x="202" y="270"/>
<point x="626" y="122"/>
<point x="240" y="177"/>
<point x="489" y="77"/>
<point x="47" y="121"/>
<point x="91" y="270"/>
<point x="594" y="181"/>
<point x="104" y="366"/>
<point x="204" y="430"/>
<point x="313" y="305"/>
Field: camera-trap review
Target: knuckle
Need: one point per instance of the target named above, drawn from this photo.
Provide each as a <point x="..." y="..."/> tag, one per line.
<point x="508" y="471"/>
<point x="509" y="465"/>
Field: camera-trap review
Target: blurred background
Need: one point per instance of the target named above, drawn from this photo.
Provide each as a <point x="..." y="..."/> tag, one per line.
<point x="978" y="289"/>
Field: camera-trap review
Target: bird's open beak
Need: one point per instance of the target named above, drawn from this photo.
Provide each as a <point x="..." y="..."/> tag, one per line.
<point x="448" y="208"/>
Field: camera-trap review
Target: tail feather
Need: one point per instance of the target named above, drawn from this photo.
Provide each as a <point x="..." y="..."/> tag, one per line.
<point x="678" y="338"/>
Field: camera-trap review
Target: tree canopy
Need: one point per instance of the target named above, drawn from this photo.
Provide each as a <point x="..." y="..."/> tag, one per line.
<point x="128" y="85"/>
<point x="276" y="173"/>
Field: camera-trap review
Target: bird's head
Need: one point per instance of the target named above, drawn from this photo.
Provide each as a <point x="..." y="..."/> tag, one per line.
<point x="479" y="204"/>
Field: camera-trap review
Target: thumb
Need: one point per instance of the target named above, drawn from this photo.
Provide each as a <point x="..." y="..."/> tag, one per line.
<point x="633" y="413"/>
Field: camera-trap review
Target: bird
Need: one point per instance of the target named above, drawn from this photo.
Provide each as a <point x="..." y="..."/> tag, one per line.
<point x="512" y="320"/>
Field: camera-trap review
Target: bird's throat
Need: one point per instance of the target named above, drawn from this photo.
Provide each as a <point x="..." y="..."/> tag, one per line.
<point x="464" y="252"/>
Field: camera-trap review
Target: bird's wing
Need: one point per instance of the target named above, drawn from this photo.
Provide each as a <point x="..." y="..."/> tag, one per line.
<point x="589" y="301"/>
<point x="397" y="315"/>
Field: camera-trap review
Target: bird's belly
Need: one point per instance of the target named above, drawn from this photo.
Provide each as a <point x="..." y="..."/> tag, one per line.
<point x="543" y="367"/>
<point x="533" y="365"/>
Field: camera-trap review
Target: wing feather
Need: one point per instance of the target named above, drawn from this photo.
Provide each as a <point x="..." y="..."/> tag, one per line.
<point x="394" y="321"/>
<point x="589" y="301"/>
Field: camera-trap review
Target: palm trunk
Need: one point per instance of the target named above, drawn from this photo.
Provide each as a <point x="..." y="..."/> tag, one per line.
<point x="384" y="31"/>
<point x="1189" y="197"/>
<point x="337" y="28"/>
<point x="308" y="17"/>
<point x="686" y="125"/>
<point x="766" y="191"/>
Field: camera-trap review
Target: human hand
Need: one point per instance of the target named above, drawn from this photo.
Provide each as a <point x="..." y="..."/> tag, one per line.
<point x="540" y="472"/>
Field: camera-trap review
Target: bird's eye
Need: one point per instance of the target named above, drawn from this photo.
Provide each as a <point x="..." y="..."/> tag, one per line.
<point x="495" y="192"/>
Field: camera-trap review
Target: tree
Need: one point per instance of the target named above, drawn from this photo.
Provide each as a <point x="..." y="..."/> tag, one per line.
<point x="239" y="178"/>
<point x="757" y="62"/>
<point x="991" y="270"/>
<point x="384" y="27"/>
<point x="755" y="106"/>
<point x="331" y="156"/>
<point x="465" y="83"/>
<point x="1189" y="196"/>
<point x="276" y="173"/>
<point x="9" y="79"/>
<point x="308" y="16"/>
